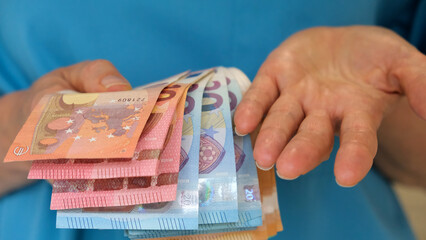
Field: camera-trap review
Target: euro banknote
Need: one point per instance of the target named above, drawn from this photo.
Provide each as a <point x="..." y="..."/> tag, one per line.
<point x="144" y="161"/>
<point x="271" y="220"/>
<point x="249" y="205"/>
<point x="164" y="160"/>
<point x="179" y="214"/>
<point x="86" y="125"/>
<point x="217" y="176"/>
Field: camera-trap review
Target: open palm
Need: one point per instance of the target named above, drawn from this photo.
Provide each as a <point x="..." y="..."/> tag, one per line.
<point x="326" y="81"/>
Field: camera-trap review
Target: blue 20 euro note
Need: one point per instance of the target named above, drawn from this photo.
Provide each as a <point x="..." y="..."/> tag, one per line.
<point x="249" y="205"/>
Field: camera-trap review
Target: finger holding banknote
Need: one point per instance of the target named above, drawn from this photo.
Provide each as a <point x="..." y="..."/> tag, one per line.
<point x="87" y="76"/>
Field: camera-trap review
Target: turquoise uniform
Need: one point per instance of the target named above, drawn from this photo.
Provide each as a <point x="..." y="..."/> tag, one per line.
<point x="150" y="40"/>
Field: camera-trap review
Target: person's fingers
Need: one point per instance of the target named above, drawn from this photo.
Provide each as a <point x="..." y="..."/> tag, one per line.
<point x="311" y="145"/>
<point x="88" y="76"/>
<point x="358" y="146"/>
<point x="255" y="103"/>
<point x="410" y="72"/>
<point x="95" y="76"/>
<point x="278" y="128"/>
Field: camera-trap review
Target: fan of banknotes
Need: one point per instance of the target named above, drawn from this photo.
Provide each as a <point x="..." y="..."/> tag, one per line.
<point x="159" y="161"/>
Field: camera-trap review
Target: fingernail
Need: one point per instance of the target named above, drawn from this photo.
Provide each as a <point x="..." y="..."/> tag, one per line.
<point x="239" y="134"/>
<point x="343" y="186"/>
<point x="285" y="178"/>
<point x="263" y="168"/>
<point x="112" y="82"/>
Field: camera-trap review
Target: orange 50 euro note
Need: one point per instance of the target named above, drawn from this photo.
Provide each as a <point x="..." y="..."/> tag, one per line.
<point x="86" y="125"/>
<point x="145" y="161"/>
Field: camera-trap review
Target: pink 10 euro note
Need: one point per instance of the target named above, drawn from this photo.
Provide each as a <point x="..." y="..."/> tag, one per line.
<point x="87" y="193"/>
<point x="171" y="156"/>
<point x="129" y="191"/>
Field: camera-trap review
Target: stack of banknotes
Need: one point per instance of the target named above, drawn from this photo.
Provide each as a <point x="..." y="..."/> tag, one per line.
<point x="159" y="161"/>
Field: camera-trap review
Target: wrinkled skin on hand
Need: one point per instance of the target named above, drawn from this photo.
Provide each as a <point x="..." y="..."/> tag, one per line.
<point x="323" y="82"/>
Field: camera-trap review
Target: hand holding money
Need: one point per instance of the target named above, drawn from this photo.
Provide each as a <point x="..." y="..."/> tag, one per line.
<point x="88" y="76"/>
<point x="160" y="157"/>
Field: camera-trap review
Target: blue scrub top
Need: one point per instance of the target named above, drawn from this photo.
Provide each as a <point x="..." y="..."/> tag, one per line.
<point x="149" y="40"/>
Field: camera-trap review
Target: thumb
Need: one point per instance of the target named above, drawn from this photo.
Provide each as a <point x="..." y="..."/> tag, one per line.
<point x="411" y="73"/>
<point x="95" y="76"/>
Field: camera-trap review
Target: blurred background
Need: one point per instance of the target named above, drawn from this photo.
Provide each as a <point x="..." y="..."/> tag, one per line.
<point x="413" y="200"/>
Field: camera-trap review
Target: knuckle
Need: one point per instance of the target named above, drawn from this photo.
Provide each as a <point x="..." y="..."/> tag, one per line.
<point x="283" y="120"/>
<point x="100" y="63"/>
<point x="58" y="72"/>
<point x="275" y="67"/>
<point x="361" y="129"/>
<point x="313" y="148"/>
<point x="282" y="54"/>
<point x="275" y="133"/>
<point x="316" y="128"/>
<point x="56" y="75"/>
<point x="360" y="148"/>
<point x="95" y="66"/>
<point x="253" y="103"/>
<point x="292" y="111"/>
